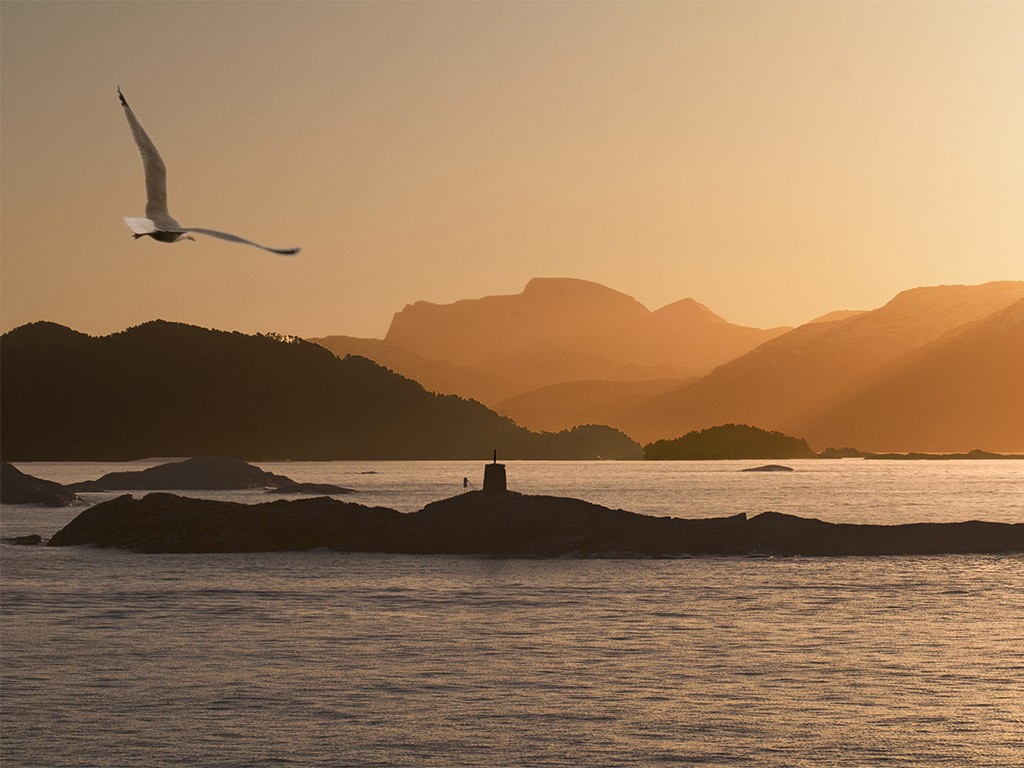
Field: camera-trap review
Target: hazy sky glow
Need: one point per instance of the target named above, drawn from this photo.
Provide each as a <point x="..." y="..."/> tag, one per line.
<point x="774" y="161"/>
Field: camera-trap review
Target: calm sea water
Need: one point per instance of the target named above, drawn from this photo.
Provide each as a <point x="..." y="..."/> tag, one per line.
<point x="111" y="658"/>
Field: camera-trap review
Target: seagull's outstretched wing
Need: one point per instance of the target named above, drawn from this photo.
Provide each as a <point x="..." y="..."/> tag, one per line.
<point x="153" y="166"/>
<point x="236" y="239"/>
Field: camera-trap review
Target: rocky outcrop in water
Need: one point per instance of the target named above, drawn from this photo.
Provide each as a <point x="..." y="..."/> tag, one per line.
<point x="204" y="473"/>
<point x="33" y="539"/>
<point x="502" y="524"/>
<point x="18" y="488"/>
<point x="318" y="489"/>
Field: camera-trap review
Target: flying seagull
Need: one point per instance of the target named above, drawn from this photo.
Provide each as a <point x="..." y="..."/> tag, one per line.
<point x="158" y="223"/>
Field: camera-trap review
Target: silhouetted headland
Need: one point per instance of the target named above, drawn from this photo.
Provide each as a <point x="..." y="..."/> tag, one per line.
<point x="18" y="488"/>
<point x="204" y="473"/>
<point x="506" y="524"/>
<point x="168" y="389"/>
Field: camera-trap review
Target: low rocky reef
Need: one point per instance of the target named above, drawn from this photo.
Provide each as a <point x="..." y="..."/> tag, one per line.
<point x="204" y="473"/>
<point x="31" y="540"/>
<point x="503" y="524"/>
<point x="18" y="488"/>
<point x="853" y="453"/>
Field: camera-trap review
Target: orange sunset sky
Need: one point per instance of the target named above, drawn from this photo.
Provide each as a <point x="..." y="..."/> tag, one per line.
<point x="775" y="161"/>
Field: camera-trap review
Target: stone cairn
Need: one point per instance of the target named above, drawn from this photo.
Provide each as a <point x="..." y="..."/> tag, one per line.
<point x="494" y="477"/>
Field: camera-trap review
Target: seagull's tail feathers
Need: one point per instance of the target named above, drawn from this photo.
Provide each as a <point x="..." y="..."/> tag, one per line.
<point x="140" y="226"/>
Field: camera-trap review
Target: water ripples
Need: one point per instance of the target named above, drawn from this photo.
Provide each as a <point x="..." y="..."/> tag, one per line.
<point x="110" y="658"/>
<point x="326" y="659"/>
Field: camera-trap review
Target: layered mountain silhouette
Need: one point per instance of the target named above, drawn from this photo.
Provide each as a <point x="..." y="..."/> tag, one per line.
<point x="938" y="369"/>
<point x="560" y="406"/>
<point x="965" y="388"/>
<point x="557" y="330"/>
<point x="935" y="369"/>
<point x="167" y="389"/>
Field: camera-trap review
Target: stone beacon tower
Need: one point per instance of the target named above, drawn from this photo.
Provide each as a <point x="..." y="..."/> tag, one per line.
<point x="494" y="477"/>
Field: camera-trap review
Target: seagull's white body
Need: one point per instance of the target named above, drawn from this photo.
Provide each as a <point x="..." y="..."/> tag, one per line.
<point x="158" y="223"/>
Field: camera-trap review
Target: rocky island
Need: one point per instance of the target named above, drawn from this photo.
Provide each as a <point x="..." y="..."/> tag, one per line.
<point x="504" y="524"/>
<point x="204" y="473"/>
<point x="729" y="441"/>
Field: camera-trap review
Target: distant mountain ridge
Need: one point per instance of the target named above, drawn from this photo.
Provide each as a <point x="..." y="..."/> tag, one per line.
<point x="560" y="406"/>
<point x="797" y="383"/>
<point x="556" y="330"/>
<point x="964" y="388"/>
<point x="594" y="355"/>
<point x="168" y="389"/>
